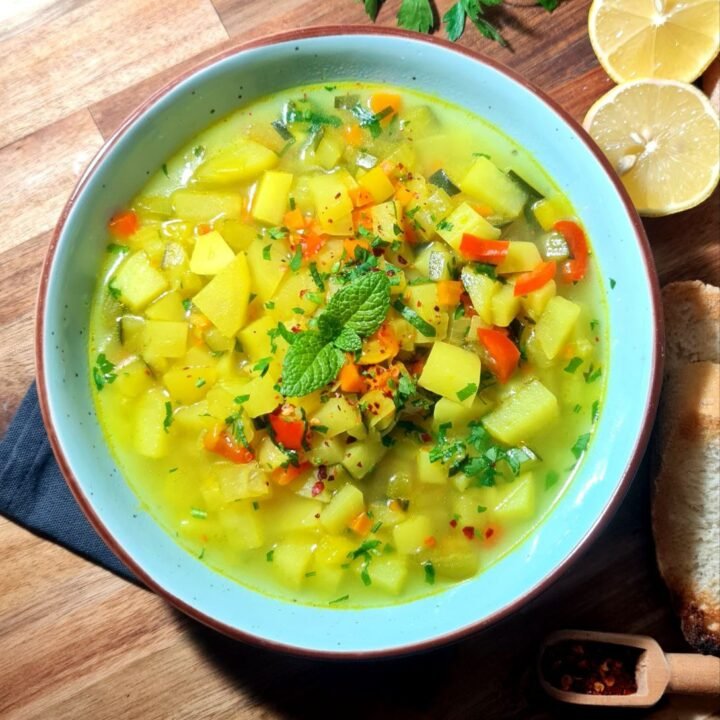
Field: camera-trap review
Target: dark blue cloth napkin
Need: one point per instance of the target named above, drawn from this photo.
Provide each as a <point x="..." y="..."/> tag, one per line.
<point x="34" y="494"/>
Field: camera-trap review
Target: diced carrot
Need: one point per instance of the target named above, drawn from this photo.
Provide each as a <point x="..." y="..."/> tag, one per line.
<point x="353" y="135"/>
<point x="538" y="277"/>
<point x="504" y="354"/>
<point x="403" y="195"/>
<point x="218" y="441"/>
<point x="351" y="381"/>
<point x="574" y="269"/>
<point x="360" y="196"/>
<point x="294" y="220"/>
<point x="449" y="292"/>
<point x="361" y="524"/>
<point x="484" y="210"/>
<point x="203" y="229"/>
<point x="311" y="243"/>
<point x="381" y="101"/>
<point x="124" y="223"/>
<point x="381" y="345"/>
<point x="409" y="231"/>
<point x="492" y="252"/>
<point x="289" y="433"/>
<point x="430" y="541"/>
<point x="350" y="244"/>
<point x="361" y="218"/>
<point x="284" y="476"/>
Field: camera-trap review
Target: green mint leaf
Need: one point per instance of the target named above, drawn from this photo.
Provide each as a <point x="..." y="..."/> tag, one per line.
<point x="363" y="304"/>
<point x="311" y="362"/>
<point x="454" y="21"/>
<point x="329" y="326"/>
<point x="415" y="15"/>
<point x="348" y="341"/>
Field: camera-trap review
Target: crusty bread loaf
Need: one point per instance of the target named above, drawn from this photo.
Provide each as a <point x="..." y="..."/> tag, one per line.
<point x="692" y="323"/>
<point x="686" y="503"/>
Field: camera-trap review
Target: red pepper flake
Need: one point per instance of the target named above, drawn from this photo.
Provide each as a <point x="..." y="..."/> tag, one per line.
<point x="317" y="488"/>
<point x="453" y="523"/>
<point x="425" y="437"/>
<point x="489" y="532"/>
<point x="469" y="532"/>
<point x="322" y="472"/>
<point x="591" y="668"/>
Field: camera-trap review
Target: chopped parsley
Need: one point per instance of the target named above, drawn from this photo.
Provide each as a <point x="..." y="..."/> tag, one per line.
<point x="200" y="382"/>
<point x="168" y="421"/>
<point x="595" y="411"/>
<point x="296" y="260"/>
<point x="573" y="365"/>
<point x="262" y="365"/>
<point x="198" y="514"/>
<point x="266" y="252"/>
<point x="613" y="283"/>
<point x="551" y="479"/>
<point x="580" y="445"/>
<point x="468" y="391"/>
<point x="103" y="372"/>
<point x="269" y="555"/>
<point x="429" y="572"/>
<point x="342" y="598"/>
<point x="592" y="374"/>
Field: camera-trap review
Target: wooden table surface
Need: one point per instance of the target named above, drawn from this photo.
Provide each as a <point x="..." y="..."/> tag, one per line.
<point x="78" y="642"/>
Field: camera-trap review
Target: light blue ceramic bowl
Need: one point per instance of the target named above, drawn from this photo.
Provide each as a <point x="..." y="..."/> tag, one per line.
<point x="183" y="109"/>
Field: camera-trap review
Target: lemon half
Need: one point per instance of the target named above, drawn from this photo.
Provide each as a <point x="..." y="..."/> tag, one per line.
<point x="673" y="39"/>
<point x="663" y="139"/>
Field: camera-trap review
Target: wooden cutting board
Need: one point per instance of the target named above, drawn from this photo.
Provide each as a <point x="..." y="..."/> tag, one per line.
<point x="77" y="642"/>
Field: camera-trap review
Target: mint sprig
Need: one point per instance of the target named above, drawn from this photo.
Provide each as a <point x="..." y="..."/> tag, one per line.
<point x="316" y="356"/>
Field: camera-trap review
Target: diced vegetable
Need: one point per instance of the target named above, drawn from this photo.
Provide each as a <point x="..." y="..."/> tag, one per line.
<point x="224" y="299"/>
<point x="451" y="372"/>
<point x="199" y="205"/>
<point x="162" y="338"/>
<point x="492" y="252"/>
<point x="338" y="416"/>
<point x="517" y="500"/>
<point x="521" y="257"/>
<point x="211" y="254"/>
<point x="362" y="456"/>
<point x="555" y="325"/>
<point x="333" y="204"/>
<point x="242" y="526"/>
<point x="503" y="352"/>
<point x="486" y="183"/>
<point x="271" y="198"/>
<point x="150" y="437"/>
<point x="522" y="413"/>
<point x="410" y="535"/>
<point x="245" y="161"/>
<point x="345" y="505"/>
<point x="376" y="182"/>
<point x="481" y="290"/>
<point x="505" y="305"/>
<point x="465" y="221"/>
<point x="536" y="279"/>
<point x="138" y="282"/>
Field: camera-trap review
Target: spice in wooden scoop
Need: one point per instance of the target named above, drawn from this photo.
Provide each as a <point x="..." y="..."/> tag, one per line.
<point x="592" y="668"/>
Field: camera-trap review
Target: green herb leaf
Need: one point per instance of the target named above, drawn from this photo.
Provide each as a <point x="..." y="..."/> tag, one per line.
<point x="468" y="391"/>
<point x="580" y="445"/>
<point x="363" y="304"/>
<point x="454" y="21"/>
<point x="595" y="411"/>
<point x="371" y="8"/>
<point x="348" y="341"/>
<point x="168" y="421"/>
<point x="414" y="319"/>
<point x="310" y="363"/>
<point x="103" y="372"/>
<point x="429" y="572"/>
<point x="262" y="366"/>
<point x="187" y="304"/>
<point x="296" y="260"/>
<point x="365" y="575"/>
<point x="165" y="170"/>
<point x="613" y="283"/>
<point x="573" y="365"/>
<point x="342" y="598"/>
<point x="415" y="15"/>
<point x="549" y="5"/>
<point x="269" y="555"/>
<point x="117" y="249"/>
<point x="551" y="479"/>
<point x="592" y="374"/>
<point x="316" y="276"/>
<point x="266" y="252"/>
<point x="198" y="513"/>
<point x="277" y="233"/>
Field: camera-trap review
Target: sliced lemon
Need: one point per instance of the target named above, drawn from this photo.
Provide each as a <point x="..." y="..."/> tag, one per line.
<point x="673" y="39"/>
<point x="663" y="139"/>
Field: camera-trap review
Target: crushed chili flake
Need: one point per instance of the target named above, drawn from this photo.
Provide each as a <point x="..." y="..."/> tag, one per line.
<point x="453" y="523"/>
<point x="317" y="488"/>
<point x="591" y="668"/>
<point x="469" y="532"/>
<point x="322" y="472"/>
<point x="489" y="533"/>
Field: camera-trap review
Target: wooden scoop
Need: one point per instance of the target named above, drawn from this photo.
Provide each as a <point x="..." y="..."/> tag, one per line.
<point x="655" y="672"/>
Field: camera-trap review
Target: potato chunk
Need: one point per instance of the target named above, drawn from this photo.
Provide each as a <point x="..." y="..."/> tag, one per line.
<point x="211" y="254"/>
<point x="556" y="324"/>
<point x="138" y="281"/>
<point x="224" y="299"/>
<point x="244" y="161"/>
<point x="452" y="372"/>
<point x="524" y="412"/>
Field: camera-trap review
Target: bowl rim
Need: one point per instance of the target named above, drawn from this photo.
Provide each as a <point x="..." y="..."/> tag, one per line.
<point x="621" y="486"/>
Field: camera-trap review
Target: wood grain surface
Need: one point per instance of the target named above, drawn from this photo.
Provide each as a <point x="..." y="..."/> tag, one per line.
<point x="78" y="642"/>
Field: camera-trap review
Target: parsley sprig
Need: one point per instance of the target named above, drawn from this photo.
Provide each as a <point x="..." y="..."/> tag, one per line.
<point x="419" y="15"/>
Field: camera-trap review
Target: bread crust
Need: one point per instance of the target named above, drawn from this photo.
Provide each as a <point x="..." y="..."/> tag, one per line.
<point x="686" y="498"/>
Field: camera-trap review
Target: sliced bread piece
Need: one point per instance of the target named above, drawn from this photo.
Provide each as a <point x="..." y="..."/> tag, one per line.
<point x="686" y="508"/>
<point x="692" y="323"/>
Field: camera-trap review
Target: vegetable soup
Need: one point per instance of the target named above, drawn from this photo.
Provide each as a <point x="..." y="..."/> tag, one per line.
<point x="348" y="345"/>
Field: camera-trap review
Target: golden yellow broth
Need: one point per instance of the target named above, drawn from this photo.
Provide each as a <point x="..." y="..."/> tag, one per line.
<point x="189" y="490"/>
